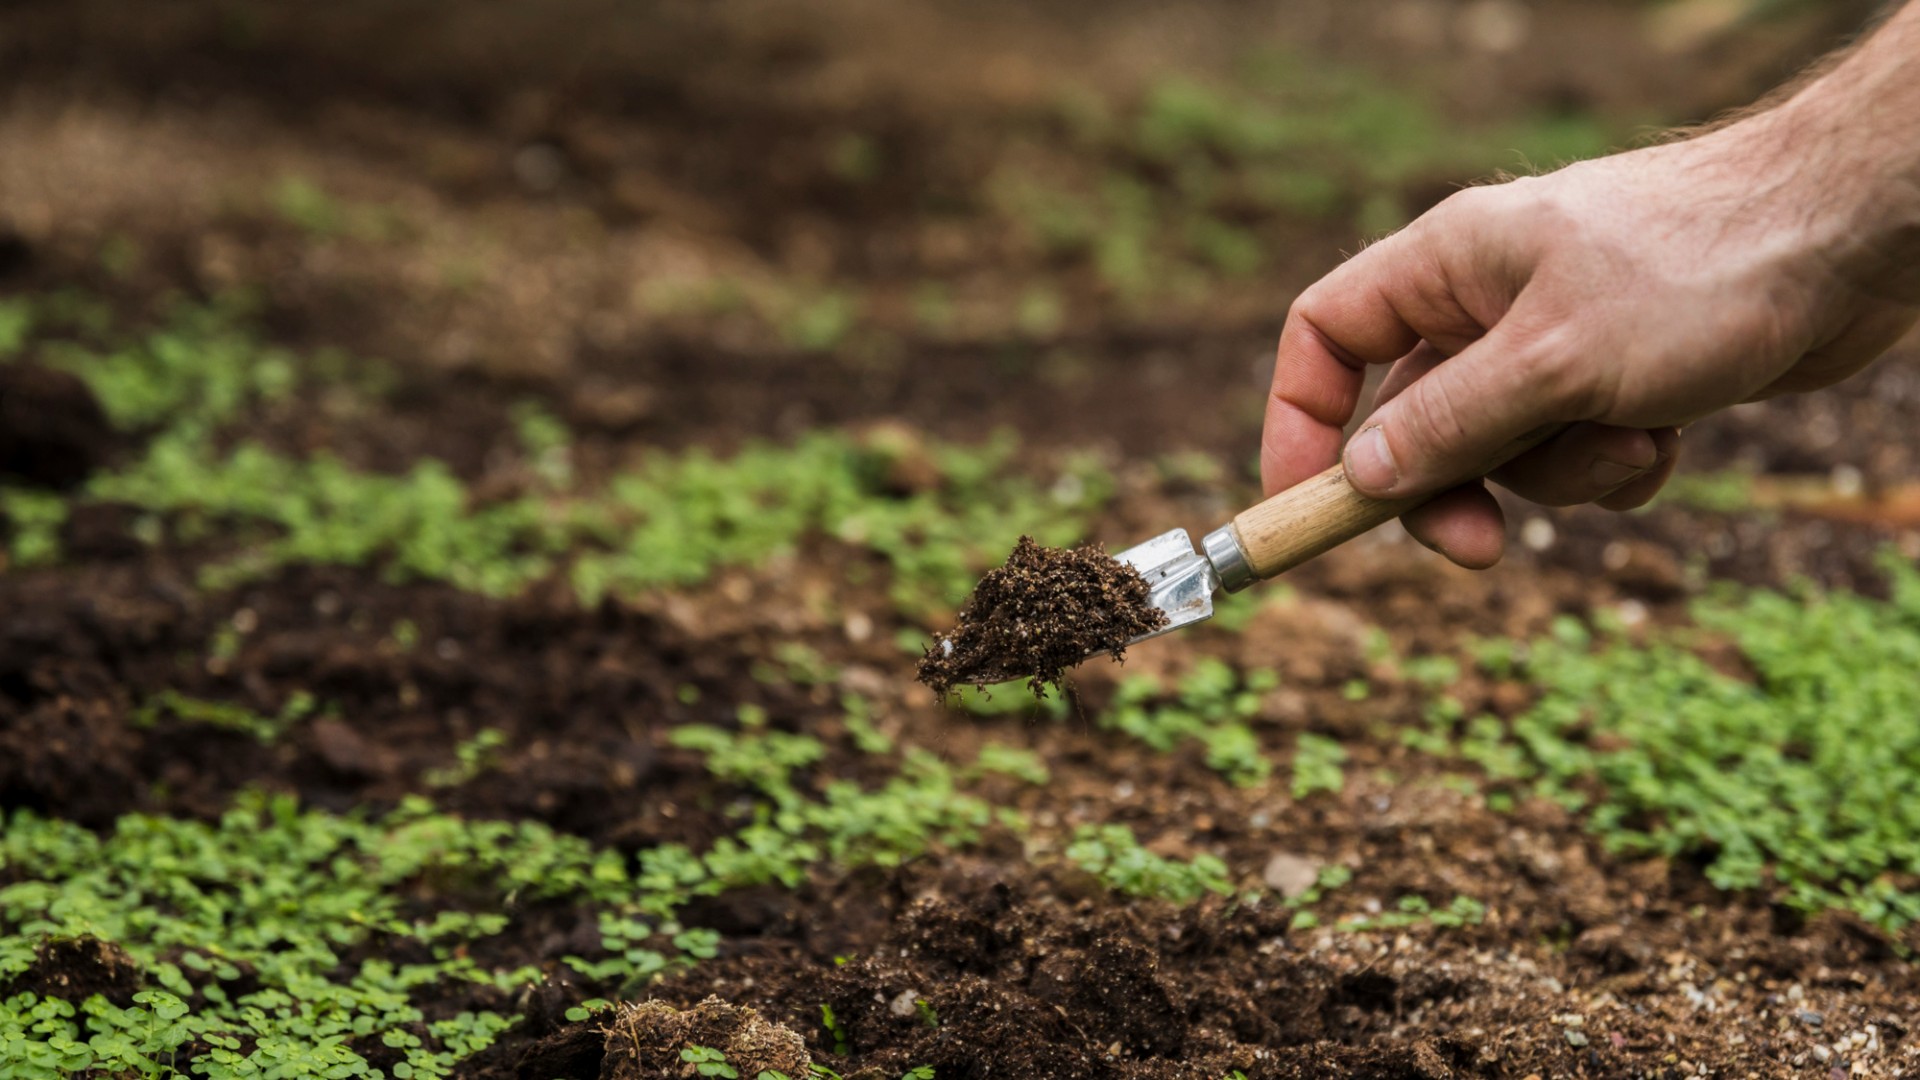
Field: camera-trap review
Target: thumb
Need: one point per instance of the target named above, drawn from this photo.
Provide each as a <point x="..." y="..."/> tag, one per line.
<point x="1452" y="423"/>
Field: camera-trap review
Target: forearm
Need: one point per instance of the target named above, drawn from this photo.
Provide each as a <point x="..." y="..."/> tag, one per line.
<point x="1855" y="132"/>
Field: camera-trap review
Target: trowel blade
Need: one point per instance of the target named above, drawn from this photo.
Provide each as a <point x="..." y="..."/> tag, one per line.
<point x="1182" y="580"/>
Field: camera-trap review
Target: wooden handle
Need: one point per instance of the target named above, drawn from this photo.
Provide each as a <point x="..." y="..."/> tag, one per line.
<point x="1318" y="515"/>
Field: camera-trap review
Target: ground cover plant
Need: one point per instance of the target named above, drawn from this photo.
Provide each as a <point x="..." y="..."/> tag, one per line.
<point x="1785" y="776"/>
<point x="467" y="532"/>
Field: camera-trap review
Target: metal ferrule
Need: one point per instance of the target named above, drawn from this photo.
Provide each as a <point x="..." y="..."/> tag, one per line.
<point x="1229" y="559"/>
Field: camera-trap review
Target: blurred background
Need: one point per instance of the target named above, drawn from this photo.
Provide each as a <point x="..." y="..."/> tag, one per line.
<point x="696" y="221"/>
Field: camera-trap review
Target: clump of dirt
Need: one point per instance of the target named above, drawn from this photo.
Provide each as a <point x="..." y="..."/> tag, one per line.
<point x="78" y="968"/>
<point x="52" y="429"/>
<point x="646" y="1039"/>
<point x="1043" y="612"/>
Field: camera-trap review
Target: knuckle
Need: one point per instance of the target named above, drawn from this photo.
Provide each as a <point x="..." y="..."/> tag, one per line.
<point x="1564" y="374"/>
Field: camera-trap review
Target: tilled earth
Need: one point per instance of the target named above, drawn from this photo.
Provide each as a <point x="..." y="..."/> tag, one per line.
<point x="1585" y="964"/>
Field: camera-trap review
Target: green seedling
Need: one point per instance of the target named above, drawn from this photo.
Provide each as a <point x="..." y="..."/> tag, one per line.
<point x="707" y="1061"/>
<point x="585" y="1010"/>
<point x="1317" y="762"/>
<point x="1114" y="855"/>
<point x="471" y="757"/>
<point x="1211" y="705"/>
<point x="220" y="714"/>
<point x="672" y="521"/>
<point x="16" y="325"/>
<point x="33" y="520"/>
<point x="1793" y="780"/>
<point x="203" y="367"/>
<point x="309" y="207"/>
<point x="836" y="1031"/>
<point x="856" y="158"/>
<point x="857" y="715"/>
<point x="1015" y="761"/>
<point x="764" y="762"/>
<point x="1329" y="879"/>
<point x="282" y="893"/>
<point x="820" y="322"/>
<point x="1414" y="910"/>
<point x="1729" y="491"/>
<point x="546" y="443"/>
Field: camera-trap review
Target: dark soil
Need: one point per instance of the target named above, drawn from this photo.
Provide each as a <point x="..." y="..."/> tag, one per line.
<point x="52" y="431"/>
<point x="77" y="968"/>
<point x="1044" y="611"/>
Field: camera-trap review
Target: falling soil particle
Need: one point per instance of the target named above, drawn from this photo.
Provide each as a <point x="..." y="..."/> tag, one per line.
<point x="1046" y="610"/>
<point x="646" y="1040"/>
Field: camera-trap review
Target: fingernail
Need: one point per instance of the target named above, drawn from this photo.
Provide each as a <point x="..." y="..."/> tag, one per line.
<point x="1370" y="462"/>
<point x="1607" y="475"/>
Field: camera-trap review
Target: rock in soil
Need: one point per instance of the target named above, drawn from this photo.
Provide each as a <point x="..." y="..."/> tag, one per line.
<point x="1043" y="612"/>
<point x="1290" y="875"/>
<point x="645" y="1040"/>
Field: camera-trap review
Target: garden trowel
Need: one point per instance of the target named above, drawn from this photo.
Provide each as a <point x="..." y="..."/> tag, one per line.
<point x="1264" y="541"/>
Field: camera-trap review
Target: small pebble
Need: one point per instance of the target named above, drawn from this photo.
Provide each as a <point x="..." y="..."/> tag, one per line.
<point x="1576" y="1038"/>
<point x="1537" y="534"/>
<point x="1290" y="875"/>
<point x="1810" y="1018"/>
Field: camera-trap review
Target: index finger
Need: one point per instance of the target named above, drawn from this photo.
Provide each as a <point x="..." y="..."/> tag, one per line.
<point x="1334" y="330"/>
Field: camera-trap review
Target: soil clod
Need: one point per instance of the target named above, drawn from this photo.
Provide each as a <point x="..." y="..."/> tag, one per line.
<point x="53" y="431"/>
<point x="646" y="1040"/>
<point x="1043" y="612"/>
<point x="78" y="968"/>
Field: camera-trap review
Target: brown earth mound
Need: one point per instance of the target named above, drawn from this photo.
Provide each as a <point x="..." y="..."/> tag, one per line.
<point x="653" y="1039"/>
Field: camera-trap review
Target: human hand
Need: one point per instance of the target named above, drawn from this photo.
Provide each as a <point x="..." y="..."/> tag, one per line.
<point x="1626" y="297"/>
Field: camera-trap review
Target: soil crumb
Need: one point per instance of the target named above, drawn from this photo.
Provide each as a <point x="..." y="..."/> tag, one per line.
<point x="645" y="1041"/>
<point x="1043" y="612"/>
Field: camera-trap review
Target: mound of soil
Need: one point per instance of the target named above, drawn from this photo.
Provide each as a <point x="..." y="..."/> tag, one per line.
<point x="1043" y="612"/>
<point x="52" y="430"/>
<point x="646" y="1040"/>
<point x="78" y="968"/>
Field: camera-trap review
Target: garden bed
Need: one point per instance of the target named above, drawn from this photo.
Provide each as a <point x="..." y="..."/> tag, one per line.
<point x="462" y="637"/>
